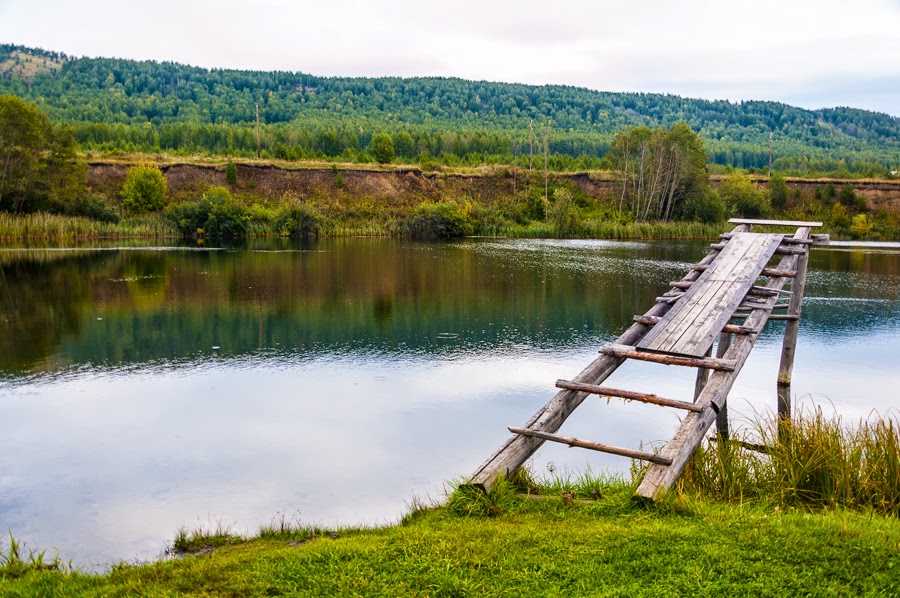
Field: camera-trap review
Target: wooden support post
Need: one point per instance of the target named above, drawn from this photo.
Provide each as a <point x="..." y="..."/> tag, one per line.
<point x="791" y="329"/>
<point x="722" y="414"/>
<point x="517" y="449"/>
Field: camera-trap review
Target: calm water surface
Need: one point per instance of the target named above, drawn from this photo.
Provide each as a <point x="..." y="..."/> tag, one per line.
<point x="147" y="388"/>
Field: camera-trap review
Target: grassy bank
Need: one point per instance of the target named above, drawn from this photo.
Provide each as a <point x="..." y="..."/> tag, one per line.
<point x="795" y="531"/>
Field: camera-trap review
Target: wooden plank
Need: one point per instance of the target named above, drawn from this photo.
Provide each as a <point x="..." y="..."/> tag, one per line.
<point x="516" y="450"/>
<point x="705" y="308"/>
<point x="789" y="344"/>
<point x="626" y="394"/>
<point x="752" y="221"/>
<point x="594" y="446"/>
<point x="629" y="352"/>
<point x="659" y="480"/>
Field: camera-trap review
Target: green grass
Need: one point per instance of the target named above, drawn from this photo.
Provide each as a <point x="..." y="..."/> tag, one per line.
<point x="607" y="547"/>
<point x="54" y="227"/>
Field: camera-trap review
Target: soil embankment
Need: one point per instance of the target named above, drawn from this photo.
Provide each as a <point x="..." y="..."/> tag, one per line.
<point x="404" y="184"/>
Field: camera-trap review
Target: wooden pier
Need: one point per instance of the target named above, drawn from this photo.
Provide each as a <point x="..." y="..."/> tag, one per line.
<point x="728" y="296"/>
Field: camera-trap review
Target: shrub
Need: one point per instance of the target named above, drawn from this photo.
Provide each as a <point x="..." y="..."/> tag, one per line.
<point x="562" y="213"/>
<point x="230" y="173"/>
<point x="299" y="220"/>
<point x="703" y="207"/>
<point x="443" y="220"/>
<point x="778" y="192"/>
<point x="144" y="190"/>
<point x="216" y="215"/>
<point x="94" y="207"/>
<point x="743" y="197"/>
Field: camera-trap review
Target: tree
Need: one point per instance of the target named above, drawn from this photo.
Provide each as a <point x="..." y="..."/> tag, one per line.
<point x="144" y="190"/>
<point x="39" y="165"/>
<point x="382" y="147"/>
<point x="658" y="169"/>
<point x="230" y="173"/>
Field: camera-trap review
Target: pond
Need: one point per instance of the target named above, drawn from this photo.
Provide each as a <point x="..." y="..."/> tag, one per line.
<point x="334" y="382"/>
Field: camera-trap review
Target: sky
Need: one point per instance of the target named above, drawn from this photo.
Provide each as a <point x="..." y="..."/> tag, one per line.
<point x="807" y="53"/>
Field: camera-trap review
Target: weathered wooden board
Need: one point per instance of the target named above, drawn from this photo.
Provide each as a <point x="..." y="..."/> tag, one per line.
<point x="691" y="326"/>
<point x="773" y="222"/>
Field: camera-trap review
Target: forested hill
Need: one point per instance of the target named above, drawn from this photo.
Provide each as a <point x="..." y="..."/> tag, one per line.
<point x="151" y="106"/>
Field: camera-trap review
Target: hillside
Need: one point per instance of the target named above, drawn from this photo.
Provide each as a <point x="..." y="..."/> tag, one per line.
<point x="150" y="106"/>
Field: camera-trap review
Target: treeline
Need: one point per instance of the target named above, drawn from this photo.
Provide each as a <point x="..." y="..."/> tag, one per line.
<point x="130" y="105"/>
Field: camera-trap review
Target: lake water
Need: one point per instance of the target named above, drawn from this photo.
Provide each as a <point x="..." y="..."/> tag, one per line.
<point x="147" y="388"/>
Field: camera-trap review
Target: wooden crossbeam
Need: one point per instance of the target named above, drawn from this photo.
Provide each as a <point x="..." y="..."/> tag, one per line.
<point x="787" y="240"/>
<point x="594" y="446"/>
<point x="729" y="328"/>
<point x="629" y="352"/>
<point x="627" y="395"/>
<point x="776" y="273"/>
<point x="780" y="250"/>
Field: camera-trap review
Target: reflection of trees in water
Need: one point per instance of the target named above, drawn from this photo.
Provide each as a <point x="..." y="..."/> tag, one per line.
<point x="336" y="296"/>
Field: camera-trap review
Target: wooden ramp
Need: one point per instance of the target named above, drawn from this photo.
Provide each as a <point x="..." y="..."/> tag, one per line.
<point x="729" y="296"/>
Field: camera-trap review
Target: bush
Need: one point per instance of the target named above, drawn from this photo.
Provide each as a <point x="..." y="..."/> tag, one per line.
<point x="230" y="173"/>
<point x="743" y="197"/>
<point x="144" y="190"/>
<point x="562" y="212"/>
<point x="216" y="215"/>
<point x="443" y="220"/>
<point x="299" y="220"/>
<point x="703" y="207"/>
<point x="94" y="207"/>
<point x="778" y="192"/>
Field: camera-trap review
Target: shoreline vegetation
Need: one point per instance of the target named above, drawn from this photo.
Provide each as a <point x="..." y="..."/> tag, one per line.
<point x="817" y="512"/>
<point x="254" y="199"/>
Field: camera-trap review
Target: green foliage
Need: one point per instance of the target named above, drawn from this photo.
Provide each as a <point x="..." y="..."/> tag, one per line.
<point x="860" y="227"/>
<point x="658" y="169"/>
<point x="468" y="500"/>
<point x="144" y="190"/>
<point x="130" y="105"/>
<point x="848" y="198"/>
<point x="706" y="207"/>
<point x="216" y="215"/>
<point x="778" y="192"/>
<point x="299" y="220"/>
<point x="563" y="213"/>
<point x="743" y="198"/>
<point x="95" y="207"/>
<point x="382" y="147"/>
<point x="839" y="218"/>
<point x="230" y="173"/>
<point x="444" y="220"/>
<point x="40" y="165"/>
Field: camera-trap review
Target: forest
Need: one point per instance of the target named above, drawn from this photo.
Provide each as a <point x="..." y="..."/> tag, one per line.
<point x="112" y="105"/>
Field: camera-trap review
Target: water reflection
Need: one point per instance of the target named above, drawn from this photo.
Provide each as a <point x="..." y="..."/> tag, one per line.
<point x="143" y="389"/>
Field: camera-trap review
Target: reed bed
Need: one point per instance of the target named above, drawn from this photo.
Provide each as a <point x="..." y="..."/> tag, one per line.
<point x="811" y="461"/>
<point x="54" y="227"/>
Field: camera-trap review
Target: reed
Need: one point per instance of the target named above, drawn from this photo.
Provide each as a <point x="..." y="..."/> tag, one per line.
<point x="54" y="227"/>
<point x="812" y="461"/>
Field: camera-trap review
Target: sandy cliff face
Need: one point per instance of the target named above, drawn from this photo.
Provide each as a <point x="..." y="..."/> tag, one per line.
<point x="404" y="185"/>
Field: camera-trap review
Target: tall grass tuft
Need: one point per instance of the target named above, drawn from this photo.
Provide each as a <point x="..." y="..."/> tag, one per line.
<point x="811" y="461"/>
<point x="14" y="563"/>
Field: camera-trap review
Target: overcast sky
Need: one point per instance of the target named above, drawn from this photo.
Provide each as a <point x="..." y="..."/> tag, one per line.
<point x="808" y="53"/>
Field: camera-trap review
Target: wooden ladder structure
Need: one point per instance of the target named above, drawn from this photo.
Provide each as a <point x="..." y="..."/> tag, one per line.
<point x="719" y="298"/>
